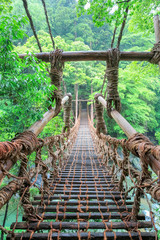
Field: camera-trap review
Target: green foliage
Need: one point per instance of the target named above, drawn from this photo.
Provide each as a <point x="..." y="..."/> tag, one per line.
<point x="138" y="98"/>
<point x="5" y="6"/>
<point x="24" y="85"/>
<point x="110" y="11"/>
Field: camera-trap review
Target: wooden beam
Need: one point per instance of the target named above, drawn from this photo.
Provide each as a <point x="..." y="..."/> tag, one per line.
<point x="94" y="56"/>
<point x="157" y="30"/>
<point x="121" y="121"/>
<point x="36" y="128"/>
<point x="130" y="131"/>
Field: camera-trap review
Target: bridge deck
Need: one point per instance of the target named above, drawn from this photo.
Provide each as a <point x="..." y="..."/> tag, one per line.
<point x="86" y="204"/>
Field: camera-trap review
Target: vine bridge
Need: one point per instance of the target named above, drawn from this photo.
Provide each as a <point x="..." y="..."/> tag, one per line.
<point x="84" y="191"/>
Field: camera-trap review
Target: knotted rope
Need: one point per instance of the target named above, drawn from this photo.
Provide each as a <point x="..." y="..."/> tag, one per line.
<point x="25" y="142"/>
<point x="101" y="127"/>
<point x="156" y="51"/>
<point x="56" y="73"/>
<point x="67" y="111"/>
<point x="113" y="99"/>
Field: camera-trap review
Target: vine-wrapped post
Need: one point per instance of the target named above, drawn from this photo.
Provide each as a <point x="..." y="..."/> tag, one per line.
<point x="100" y="127"/>
<point x="113" y="99"/>
<point x="56" y="73"/>
<point x="67" y="112"/>
<point x="157" y="38"/>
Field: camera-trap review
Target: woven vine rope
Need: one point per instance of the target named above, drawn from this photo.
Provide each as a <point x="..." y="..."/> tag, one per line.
<point x="156" y="51"/>
<point x="113" y="99"/>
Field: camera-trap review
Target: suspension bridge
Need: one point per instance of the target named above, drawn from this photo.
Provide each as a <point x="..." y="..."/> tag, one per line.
<point x="83" y="192"/>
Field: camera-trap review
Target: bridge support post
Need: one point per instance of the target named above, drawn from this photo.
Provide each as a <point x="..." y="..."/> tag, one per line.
<point x="157" y="30"/>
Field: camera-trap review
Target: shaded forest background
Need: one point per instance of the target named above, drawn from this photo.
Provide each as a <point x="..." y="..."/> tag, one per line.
<point x="25" y="85"/>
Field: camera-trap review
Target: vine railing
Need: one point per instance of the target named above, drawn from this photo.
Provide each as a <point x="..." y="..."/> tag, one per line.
<point x="106" y="147"/>
<point x="57" y="148"/>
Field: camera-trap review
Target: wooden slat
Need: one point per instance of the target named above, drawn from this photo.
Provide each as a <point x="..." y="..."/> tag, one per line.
<point x="97" y="215"/>
<point x="82" y="225"/>
<point x="90" y="188"/>
<point x="84" y="208"/>
<point x="88" y="185"/>
<point x="101" y="197"/>
<point x="75" y="192"/>
<point x="90" y="203"/>
<point x="96" y="236"/>
<point x="87" y="182"/>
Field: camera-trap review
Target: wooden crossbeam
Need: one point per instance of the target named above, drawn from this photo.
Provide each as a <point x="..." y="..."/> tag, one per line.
<point x="94" y="56"/>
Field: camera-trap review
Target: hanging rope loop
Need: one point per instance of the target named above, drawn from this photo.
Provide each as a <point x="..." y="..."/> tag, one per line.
<point x="113" y="99"/>
<point x="56" y="73"/>
<point x="156" y="51"/>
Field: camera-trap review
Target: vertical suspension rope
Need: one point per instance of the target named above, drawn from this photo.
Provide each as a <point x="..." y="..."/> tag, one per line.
<point x="47" y="20"/>
<point x="122" y="27"/>
<point x="25" y="4"/>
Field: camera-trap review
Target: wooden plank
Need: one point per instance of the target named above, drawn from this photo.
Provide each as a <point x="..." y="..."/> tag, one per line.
<point x="82" y="225"/>
<point x="83" y="176"/>
<point x="84" y="235"/>
<point x="83" y="185"/>
<point x="66" y="192"/>
<point x="85" y="215"/>
<point x="101" y="197"/>
<point x="83" y="208"/>
<point x="86" y="188"/>
<point x="89" y="203"/>
<point x="85" y="181"/>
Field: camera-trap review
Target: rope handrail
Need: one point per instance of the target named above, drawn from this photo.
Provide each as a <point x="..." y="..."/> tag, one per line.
<point x="84" y="190"/>
<point x="107" y="149"/>
<point x="34" y="131"/>
<point x="62" y="144"/>
<point x="151" y="152"/>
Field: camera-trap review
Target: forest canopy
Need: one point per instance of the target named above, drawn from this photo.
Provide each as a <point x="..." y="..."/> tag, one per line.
<point x="76" y="26"/>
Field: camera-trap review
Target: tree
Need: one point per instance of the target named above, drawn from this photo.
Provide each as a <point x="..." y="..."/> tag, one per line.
<point x="5" y="6"/>
<point x="24" y="85"/>
<point x="141" y="12"/>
